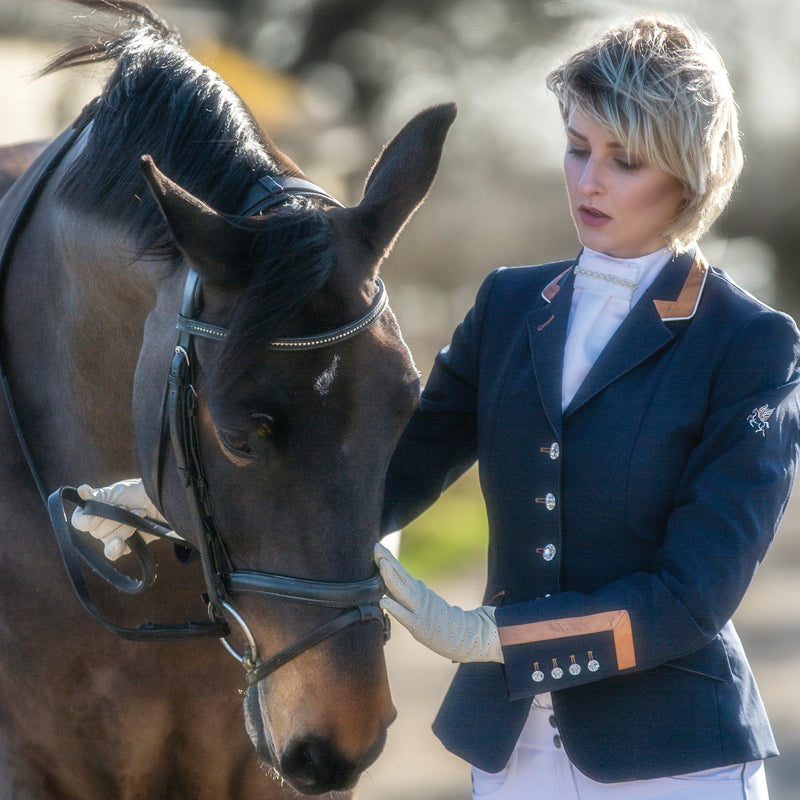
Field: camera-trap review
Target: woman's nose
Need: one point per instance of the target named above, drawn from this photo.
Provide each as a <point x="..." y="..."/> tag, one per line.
<point x="590" y="181"/>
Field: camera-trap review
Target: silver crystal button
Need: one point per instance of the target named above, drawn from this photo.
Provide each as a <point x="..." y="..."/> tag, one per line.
<point x="549" y="552"/>
<point x="555" y="451"/>
<point x="593" y="665"/>
<point x="549" y="501"/>
<point x="557" y="673"/>
<point x="538" y="676"/>
<point x="574" y="669"/>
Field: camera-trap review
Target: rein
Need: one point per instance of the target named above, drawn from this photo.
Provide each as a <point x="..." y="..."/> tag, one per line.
<point x="358" y="599"/>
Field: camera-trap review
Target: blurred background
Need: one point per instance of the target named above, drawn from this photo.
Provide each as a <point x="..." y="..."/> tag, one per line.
<point x="330" y="81"/>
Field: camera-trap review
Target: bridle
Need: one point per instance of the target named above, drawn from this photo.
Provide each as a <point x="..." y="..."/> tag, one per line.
<point x="358" y="600"/>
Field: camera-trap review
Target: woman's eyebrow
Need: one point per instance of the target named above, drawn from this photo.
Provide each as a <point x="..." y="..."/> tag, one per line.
<point x="611" y="144"/>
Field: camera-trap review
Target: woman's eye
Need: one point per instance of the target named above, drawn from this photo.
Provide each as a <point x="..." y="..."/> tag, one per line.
<point x="629" y="166"/>
<point x="578" y="152"/>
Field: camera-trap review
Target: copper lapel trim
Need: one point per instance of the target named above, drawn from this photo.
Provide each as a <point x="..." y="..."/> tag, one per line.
<point x="685" y="307"/>
<point x="553" y="288"/>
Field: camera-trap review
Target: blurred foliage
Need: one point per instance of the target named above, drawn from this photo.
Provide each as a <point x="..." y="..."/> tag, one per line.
<point x="451" y="535"/>
<point x="270" y="96"/>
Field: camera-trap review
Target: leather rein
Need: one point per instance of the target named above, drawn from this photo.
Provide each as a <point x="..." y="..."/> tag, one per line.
<point x="179" y="428"/>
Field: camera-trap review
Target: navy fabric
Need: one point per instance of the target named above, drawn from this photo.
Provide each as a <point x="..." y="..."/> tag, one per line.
<point x="623" y="533"/>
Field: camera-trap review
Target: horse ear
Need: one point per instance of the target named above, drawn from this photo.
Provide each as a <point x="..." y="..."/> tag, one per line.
<point x="402" y="176"/>
<point x="215" y="247"/>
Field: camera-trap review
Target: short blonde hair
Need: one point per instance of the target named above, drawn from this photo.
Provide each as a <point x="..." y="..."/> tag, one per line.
<point x="661" y="89"/>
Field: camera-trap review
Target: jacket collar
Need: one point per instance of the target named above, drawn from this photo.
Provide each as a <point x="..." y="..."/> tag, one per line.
<point x="687" y="300"/>
<point x="547" y="332"/>
<point x="673" y="297"/>
<point x="671" y="306"/>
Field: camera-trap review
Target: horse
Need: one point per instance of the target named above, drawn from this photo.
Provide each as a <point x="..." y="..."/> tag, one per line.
<point x="241" y="357"/>
<point x="15" y="159"/>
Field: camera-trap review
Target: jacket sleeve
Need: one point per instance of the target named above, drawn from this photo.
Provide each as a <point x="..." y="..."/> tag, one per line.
<point x="439" y="443"/>
<point x="731" y="497"/>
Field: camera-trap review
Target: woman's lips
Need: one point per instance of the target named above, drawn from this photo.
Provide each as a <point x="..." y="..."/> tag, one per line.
<point x="592" y="218"/>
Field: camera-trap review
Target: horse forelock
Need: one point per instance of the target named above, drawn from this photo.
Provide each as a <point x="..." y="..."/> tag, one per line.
<point x="293" y="258"/>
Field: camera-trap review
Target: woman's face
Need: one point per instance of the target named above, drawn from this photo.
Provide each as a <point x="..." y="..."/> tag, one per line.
<point x="619" y="208"/>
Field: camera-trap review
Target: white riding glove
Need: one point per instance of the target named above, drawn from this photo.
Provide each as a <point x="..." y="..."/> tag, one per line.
<point x="447" y="630"/>
<point x="129" y="494"/>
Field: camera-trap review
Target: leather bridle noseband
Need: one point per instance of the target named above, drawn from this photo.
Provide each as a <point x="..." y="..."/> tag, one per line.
<point x="358" y="600"/>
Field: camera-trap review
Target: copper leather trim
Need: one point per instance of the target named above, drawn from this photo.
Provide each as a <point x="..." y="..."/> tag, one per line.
<point x="554" y="287"/>
<point x="617" y="622"/>
<point x="545" y="324"/>
<point x="686" y="304"/>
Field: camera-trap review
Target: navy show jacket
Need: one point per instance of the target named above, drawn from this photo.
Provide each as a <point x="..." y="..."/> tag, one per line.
<point x="624" y="532"/>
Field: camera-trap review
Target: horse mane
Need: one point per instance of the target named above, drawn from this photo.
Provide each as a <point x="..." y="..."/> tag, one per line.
<point x="162" y="102"/>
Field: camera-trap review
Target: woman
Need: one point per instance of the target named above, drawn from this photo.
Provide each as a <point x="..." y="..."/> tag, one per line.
<point x="635" y="418"/>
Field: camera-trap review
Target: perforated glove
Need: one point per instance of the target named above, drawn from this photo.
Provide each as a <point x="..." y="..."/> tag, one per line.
<point x="129" y="494"/>
<point x="447" y="630"/>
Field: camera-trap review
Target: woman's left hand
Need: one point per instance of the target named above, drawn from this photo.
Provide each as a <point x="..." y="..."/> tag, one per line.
<point x="447" y="630"/>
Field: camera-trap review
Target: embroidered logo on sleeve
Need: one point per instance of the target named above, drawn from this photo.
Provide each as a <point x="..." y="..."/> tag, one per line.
<point x="759" y="418"/>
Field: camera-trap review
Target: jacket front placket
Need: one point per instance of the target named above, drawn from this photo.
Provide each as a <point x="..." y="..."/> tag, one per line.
<point x="547" y="330"/>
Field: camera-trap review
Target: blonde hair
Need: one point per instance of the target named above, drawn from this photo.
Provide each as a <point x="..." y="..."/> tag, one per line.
<point x="661" y="89"/>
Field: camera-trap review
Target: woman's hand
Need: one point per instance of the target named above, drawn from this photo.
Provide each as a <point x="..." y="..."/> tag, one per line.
<point x="129" y="494"/>
<point x="447" y="630"/>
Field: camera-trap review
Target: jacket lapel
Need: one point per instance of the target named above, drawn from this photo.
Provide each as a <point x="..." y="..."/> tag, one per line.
<point x="547" y="331"/>
<point x="673" y="297"/>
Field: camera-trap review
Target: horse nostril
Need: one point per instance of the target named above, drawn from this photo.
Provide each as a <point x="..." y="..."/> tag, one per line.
<point x="313" y="766"/>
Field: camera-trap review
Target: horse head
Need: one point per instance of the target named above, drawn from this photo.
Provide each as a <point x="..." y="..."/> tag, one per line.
<point x="295" y="443"/>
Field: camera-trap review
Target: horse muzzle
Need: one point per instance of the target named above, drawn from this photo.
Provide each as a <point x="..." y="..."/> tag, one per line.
<point x="311" y="763"/>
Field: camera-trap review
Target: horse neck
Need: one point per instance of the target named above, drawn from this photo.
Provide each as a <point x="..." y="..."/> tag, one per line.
<point x="73" y="313"/>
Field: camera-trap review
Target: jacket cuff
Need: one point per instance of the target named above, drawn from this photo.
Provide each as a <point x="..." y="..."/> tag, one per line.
<point x="550" y="655"/>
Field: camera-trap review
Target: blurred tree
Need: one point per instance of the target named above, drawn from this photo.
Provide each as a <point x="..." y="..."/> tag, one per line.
<point x="362" y="36"/>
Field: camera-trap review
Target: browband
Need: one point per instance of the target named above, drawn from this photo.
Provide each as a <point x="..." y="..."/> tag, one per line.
<point x="217" y="333"/>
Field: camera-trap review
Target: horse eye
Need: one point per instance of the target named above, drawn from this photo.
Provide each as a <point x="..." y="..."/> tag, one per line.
<point x="236" y="443"/>
<point x="242" y="445"/>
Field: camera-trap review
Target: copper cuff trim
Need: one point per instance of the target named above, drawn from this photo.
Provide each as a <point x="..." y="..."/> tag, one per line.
<point x="617" y="622"/>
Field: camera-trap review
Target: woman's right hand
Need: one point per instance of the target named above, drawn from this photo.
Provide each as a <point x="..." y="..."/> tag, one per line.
<point x="128" y="494"/>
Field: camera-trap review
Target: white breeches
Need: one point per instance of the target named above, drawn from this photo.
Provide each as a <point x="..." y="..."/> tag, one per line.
<point x="540" y="770"/>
